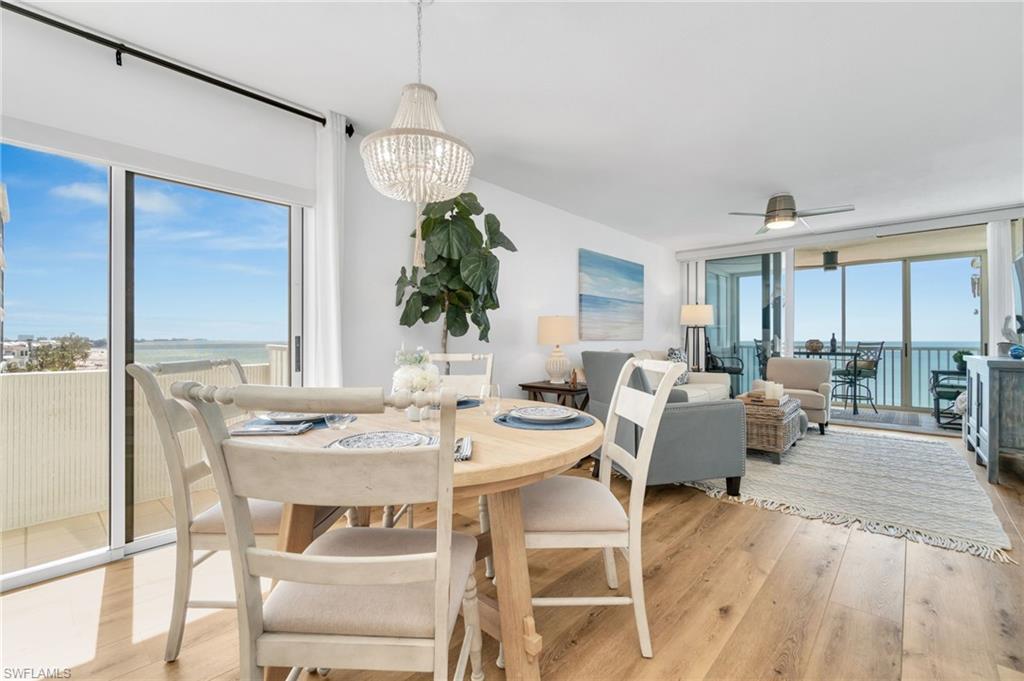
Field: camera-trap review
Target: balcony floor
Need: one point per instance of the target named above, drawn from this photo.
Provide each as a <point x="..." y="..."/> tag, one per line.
<point x="733" y="592"/>
<point x="891" y="419"/>
<point x="30" y="546"/>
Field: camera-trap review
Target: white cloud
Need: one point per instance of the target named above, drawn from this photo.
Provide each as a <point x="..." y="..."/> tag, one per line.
<point x="92" y="192"/>
<point x="151" y="201"/>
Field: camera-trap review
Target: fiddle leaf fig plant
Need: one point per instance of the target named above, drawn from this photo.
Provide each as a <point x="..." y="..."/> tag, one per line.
<point x="459" y="283"/>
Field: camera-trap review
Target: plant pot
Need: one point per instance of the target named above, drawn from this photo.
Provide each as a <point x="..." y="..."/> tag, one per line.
<point x="961" y="367"/>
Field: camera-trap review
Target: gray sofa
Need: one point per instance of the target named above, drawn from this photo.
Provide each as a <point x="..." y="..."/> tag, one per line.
<point x="696" y="440"/>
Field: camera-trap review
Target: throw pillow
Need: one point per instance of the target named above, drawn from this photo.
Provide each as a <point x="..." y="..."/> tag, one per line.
<point x="677" y="355"/>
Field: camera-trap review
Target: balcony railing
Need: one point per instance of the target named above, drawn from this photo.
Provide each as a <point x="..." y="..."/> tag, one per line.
<point x="889" y="388"/>
<point x="54" y="434"/>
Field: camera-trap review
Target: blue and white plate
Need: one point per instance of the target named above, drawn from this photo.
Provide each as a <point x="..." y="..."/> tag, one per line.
<point x="381" y="439"/>
<point x="552" y="414"/>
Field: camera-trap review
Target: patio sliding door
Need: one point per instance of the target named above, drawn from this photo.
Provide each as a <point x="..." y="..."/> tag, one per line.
<point x="100" y="267"/>
<point x="209" y="278"/>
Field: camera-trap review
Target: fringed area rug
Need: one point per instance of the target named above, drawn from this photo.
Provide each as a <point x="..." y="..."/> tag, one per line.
<point x="924" y="491"/>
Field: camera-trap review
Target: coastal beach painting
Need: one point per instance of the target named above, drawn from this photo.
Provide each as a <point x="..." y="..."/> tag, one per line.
<point x="611" y="298"/>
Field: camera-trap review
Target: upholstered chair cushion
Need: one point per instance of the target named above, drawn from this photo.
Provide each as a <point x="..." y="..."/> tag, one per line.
<point x="809" y="399"/>
<point x="567" y="503"/>
<point x="795" y="372"/>
<point x="402" y="610"/>
<point x="266" y="518"/>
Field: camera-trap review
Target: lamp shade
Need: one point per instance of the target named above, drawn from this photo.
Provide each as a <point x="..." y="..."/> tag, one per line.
<point x="697" y="315"/>
<point x="557" y="330"/>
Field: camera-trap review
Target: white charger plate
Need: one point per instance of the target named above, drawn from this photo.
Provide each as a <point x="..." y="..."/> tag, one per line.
<point x="551" y="414"/>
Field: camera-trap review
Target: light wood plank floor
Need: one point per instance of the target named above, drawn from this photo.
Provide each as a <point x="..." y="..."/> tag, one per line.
<point x="733" y="592"/>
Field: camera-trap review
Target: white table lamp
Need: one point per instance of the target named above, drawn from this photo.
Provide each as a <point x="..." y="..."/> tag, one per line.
<point x="557" y="330"/>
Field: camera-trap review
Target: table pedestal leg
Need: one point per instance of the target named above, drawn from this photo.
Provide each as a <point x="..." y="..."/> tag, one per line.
<point x="522" y="644"/>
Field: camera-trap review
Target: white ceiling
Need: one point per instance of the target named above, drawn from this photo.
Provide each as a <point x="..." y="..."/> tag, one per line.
<point x="655" y="118"/>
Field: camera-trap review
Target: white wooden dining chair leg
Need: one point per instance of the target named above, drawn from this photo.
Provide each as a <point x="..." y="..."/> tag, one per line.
<point x="294" y="674"/>
<point x="179" y="608"/>
<point x="389" y="516"/>
<point x="485" y="526"/>
<point x="610" y="573"/>
<point x="471" y="617"/>
<point x="636" y="590"/>
<point x="500" y="662"/>
<point x="408" y="517"/>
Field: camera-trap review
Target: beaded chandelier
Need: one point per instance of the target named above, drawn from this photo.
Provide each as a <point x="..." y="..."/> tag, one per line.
<point x="415" y="159"/>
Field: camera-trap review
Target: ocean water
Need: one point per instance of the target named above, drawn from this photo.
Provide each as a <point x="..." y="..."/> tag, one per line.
<point x="610" y="318"/>
<point x="246" y="352"/>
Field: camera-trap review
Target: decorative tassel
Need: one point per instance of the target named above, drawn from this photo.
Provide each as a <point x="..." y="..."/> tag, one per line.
<point x="418" y="257"/>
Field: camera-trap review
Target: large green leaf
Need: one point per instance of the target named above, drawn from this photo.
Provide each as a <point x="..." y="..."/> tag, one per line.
<point x="439" y="209"/>
<point x="412" y="310"/>
<point x="430" y="285"/>
<point x="452" y="238"/>
<point x="456" y="320"/>
<point x="436" y="264"/>
<point x="495" y="237"/>
<point x="479" y="317"/>
<point x="401" y="284"/>
<point x="467" y="223"/>
<point x="433" y="311"/>
<point x="469" y="203"/>
<point x="478" y="268"/>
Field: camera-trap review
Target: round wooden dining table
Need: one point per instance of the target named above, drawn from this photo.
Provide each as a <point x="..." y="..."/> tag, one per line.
<point x="504" y="459"/>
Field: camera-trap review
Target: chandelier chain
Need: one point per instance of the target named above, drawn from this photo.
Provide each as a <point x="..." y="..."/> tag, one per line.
<point x="419" y="41"/>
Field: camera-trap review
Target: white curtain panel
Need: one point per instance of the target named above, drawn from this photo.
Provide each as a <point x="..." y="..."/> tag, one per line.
<point x="324" y="249"/>
<point x="1000" y="281"/>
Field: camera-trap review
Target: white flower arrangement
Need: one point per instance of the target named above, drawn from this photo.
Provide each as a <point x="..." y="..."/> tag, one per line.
<point x="415" y="373"/>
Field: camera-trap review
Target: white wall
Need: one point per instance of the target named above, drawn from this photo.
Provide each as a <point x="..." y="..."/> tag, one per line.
<point x="64" y="93"/>
<point x="540" y="279"/>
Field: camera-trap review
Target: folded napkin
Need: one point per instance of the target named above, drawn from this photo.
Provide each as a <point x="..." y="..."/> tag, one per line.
<point x="463" y="447"/>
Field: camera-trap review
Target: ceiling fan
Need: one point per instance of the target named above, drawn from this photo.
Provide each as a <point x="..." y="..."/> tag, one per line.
<point x="781" y="213"/>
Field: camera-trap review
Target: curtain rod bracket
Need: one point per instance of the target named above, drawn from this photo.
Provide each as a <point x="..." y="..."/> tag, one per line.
<point x="349" y="130"/>
<point x="117" y="57"/>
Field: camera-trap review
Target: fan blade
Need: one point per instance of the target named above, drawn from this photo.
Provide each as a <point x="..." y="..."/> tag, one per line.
<point x="804" y="223"/>
<point x="761" y="231"/>
<point x="756" y="215"/>
<point x="824" y="211"/>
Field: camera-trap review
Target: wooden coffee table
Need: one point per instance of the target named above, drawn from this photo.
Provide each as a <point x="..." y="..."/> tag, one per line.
<point x="772" y="428"/>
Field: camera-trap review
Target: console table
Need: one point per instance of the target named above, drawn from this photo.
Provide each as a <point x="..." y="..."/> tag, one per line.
<point x="566" y="394"/>
<point x="994" y="421"/>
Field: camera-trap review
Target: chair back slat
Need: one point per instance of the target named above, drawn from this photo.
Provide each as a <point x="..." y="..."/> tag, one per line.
<point x="308" y="400"/>
<point x="634" y="405"/>
<point x="621" y="457"/>
<point x="331" y="477"/>
<point x="342" y="571"/>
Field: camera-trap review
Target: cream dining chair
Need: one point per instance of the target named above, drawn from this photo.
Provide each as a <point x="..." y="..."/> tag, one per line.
<point x="357" y="597"/>
<point x="469" y="385"/>
<point x="204" y="531"/>
<point x="568" y="512"/>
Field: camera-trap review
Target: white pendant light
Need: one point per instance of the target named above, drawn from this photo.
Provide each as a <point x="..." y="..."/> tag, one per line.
<point x="415" y="159"/>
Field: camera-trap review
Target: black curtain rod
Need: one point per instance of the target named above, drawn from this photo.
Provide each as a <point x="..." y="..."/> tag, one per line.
<point x="121" y="48"/>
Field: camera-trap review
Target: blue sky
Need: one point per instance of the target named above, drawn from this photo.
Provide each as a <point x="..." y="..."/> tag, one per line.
<point x="207" y="265"/>
<point x="610" y="277"/>
<point x="942" y="306"/>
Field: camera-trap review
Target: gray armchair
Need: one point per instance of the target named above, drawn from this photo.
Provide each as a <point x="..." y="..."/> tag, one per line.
<point x="696" y="440"/>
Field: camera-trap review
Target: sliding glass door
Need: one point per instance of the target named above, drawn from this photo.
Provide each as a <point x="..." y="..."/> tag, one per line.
<point x="745" y="294"/>
<point x="54" y="396"/>
<point x="945" y="317"/>
<point x="210" y="280"/>
<point x="100" y="267"/>
<point x="924" y="309"/>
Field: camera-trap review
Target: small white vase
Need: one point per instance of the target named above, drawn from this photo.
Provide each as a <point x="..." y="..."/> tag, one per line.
<point x="412" y="412"/>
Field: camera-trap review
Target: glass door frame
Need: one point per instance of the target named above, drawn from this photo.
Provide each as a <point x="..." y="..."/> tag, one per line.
<point x="120" y="324"/>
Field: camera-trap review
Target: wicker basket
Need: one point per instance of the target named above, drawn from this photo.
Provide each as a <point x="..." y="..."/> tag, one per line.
<point x="773" y="429"/>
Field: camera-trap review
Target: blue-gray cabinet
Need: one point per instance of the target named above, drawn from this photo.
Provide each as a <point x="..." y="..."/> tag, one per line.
<point x="994" y="421"/>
